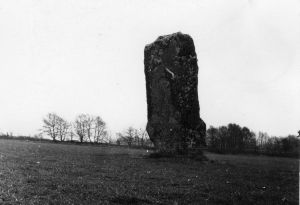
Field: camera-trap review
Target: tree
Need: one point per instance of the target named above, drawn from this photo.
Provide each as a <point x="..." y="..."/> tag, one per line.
<point x="71" y="131"/>
<point x="128" y="137"/>
<point x="91" y="128"/>
<point x="55" y="127"/>
<point x="62" y="128"/>
<point x="224" y="139"/>
<point x="89" y="121"/>
<point x="50" y="126"/>
<point x="100" y="133"/>
<point x="142" y="136"/>
<point x="213" y="140"/>
<point x="272" y="146"/>
<point x="132" y="136"/>
<point x="249" y="141"/>
<point x="262" y="139"/>
<point x="81" y="126"/>
<point x="230" y="138"/>
<point x="289" y="143"/>
<point x="236" y="137"/>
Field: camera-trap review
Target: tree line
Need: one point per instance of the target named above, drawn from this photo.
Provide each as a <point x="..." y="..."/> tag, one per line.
<point x="85" y="128"/>
<point x="92" y="129"/>
<point x="134" y="137"/>
<point x="224" y="139"/>
<point x="236" y="139"/>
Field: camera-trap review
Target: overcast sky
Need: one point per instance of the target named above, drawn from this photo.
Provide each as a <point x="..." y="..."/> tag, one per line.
<point x="86" y="56"/>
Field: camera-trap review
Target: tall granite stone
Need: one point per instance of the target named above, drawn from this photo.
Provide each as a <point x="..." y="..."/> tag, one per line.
<point x="171" y="71"/>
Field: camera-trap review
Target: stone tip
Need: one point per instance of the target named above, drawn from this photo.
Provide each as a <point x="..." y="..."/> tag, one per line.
<point x="166" y="38"/>
<point x="179" y="33"/>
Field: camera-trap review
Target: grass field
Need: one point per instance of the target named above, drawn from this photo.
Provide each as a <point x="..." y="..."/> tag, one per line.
<point x="48" y="173"/>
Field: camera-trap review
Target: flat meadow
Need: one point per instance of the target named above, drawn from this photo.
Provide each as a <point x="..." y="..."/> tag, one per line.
<point x="54" y="173"/>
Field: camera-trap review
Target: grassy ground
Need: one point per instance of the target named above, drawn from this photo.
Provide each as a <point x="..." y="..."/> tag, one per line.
<point x="47" y="173"/>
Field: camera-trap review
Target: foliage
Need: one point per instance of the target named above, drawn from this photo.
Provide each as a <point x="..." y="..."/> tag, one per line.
<point x="236" y="139"/>
<point x="231" y="138"/>
<point x="287" y="146"/>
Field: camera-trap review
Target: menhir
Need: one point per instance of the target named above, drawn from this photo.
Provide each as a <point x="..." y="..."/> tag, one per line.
<point x="171" y="70"/>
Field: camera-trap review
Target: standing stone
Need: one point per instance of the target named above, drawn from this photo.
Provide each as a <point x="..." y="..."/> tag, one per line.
<point x="171" y="70"/>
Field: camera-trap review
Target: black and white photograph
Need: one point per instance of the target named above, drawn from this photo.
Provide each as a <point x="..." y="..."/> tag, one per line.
<point x="139" y="102"/>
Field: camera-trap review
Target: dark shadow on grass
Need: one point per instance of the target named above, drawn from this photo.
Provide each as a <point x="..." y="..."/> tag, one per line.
<point x="112" y="155"/>
<point x="129" y="200"/>
<point x="194" y="155"/>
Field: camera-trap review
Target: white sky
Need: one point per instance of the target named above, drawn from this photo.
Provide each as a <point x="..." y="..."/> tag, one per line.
<point x="86" y="56"/>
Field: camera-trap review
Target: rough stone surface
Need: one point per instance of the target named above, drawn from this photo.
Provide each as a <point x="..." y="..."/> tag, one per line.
<point x="171" y="71"/>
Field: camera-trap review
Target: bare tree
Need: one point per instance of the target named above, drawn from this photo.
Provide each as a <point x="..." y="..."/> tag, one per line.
<point x="262" y="139"/>
<point x="89" y="121"/>
<point x="100" y="133"/>
<point x="132" y="136"/>
<point x="71" y="131"/>
<point x="108" y="137"/>
<point x="81" y="127"/>
<point x="86" y="127"/>
<point x="50" y="126"/>
<point x="136" y="137"/>
<point x="143" y="136"/>
<point x="62" y="128"/>
<point x="90" y="128"/>
<point x="144" y="139"/>
<point x="55" y="127"/>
